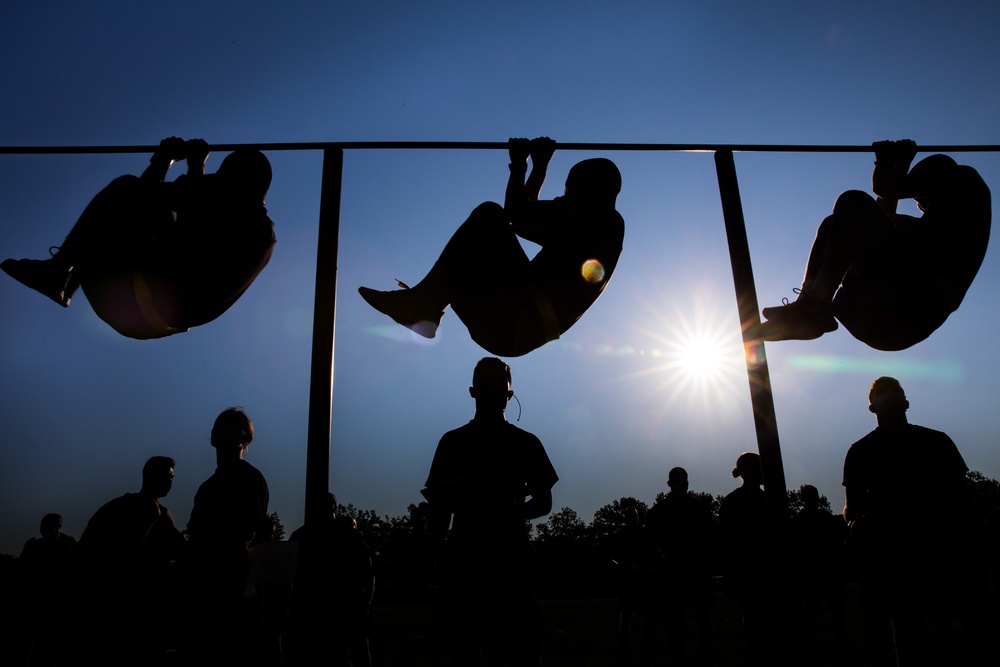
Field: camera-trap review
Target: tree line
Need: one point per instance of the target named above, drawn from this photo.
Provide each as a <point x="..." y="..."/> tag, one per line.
<point x="572" y="558"/>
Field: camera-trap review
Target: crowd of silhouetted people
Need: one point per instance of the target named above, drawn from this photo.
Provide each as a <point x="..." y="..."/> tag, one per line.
<point x="135" y="590"/>
<point x="139" y="591"/>
<point x="228" y="593"/>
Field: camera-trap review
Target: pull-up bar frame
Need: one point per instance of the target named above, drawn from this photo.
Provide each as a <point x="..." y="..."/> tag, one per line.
<point x="327" y="252"/>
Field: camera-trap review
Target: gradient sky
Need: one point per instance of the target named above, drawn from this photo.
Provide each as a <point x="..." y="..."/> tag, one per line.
<point x="83" y="407"/>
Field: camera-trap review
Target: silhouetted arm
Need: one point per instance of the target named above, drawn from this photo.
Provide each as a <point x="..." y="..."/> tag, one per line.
<point x="541" y="150"/>
<point x="197" y="155"/>
<point x="437" y="527"/>
<point x="171" y="149"/>
<point x="539" y="505"/>
<point x="857" y="503"/>
<point x="516" y="199"/>
<point x="889" y="179"/>
<point x="528" y="216"/>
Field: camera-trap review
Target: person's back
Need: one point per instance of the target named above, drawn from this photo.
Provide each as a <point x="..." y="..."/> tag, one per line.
<point x="683" y="529"/>
<point x="229" y="509"/>
<point x="114" y="546"/>
<point x="954" y="230"/>
<point x="221" y="240"/>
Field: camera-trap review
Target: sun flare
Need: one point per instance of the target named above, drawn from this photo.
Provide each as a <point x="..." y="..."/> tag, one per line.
<point x="700" y="357"/>
<point x="694" y="356"/>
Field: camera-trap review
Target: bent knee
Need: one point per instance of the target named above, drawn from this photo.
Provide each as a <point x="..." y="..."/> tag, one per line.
<point x="855" y="202"/>
<point x="489" y="210"/>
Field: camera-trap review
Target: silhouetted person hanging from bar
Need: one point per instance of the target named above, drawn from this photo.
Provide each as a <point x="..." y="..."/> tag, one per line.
<point x="892" y="279"/>
<point x="156" y="258"/>
<point x="511" y="304"/>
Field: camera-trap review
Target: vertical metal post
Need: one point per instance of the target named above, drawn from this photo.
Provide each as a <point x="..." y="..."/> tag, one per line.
<point x="746" y="298"/>
<point x="324" y="314"/>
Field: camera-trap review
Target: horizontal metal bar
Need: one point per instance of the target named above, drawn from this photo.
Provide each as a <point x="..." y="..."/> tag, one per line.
<point x="495" y="145"/>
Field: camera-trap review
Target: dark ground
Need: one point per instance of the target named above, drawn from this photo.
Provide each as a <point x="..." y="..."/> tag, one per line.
<point x="582" y="633"/>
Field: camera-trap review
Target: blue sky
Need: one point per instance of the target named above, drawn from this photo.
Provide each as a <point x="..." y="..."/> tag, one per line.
<point x="83" y="407"/>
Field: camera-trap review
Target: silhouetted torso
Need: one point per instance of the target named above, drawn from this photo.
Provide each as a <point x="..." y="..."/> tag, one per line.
<point x="206" y="259"/>
<point x="482" y="474"/>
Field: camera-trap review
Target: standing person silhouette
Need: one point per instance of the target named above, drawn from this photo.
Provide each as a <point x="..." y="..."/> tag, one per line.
<point x="752" y="561"/>
<point x="125" y="550"/>
<point x="150" y="273"/>
<point x="892" y="279"/>
<point x="38" y="595"/>
<point x="510" y="304"/>
<point x="922" y="548"/>
<point x="817" y="539"/>
<point x="682" y="530"/>
<point x="487" y="479"/>
<point x="329" y="622"/>
<point x="229" y="514"/>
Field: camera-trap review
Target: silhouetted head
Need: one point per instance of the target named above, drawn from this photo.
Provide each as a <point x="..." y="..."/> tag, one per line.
<point x="596" y="180"/>
<point x="50" y="525"/>
<point x="491" y="383"/>
<point x="677" y="480"/>
<point x="810" y="496"/>
<point x="332" y="501"/>
<point x="931" y="168"/>
<point x="158" y="476"/>
<point x="886" y="397"/>
<point x="748" y="467"/>
<point x="249" y="170"/>
<point x="233" y="430"/>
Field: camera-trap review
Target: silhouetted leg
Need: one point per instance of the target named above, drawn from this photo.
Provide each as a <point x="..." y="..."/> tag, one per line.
<point x="112" y="237"/>
<point x="857" y="231"/>
<point x="675" y="633"/>
<point x="484" y="274"/>
<point x="706" y="636"/>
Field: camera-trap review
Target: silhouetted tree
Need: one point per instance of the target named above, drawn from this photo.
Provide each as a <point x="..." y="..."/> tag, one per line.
<point x="278" y="529"/>
<point x="610" y="519"/>
<point x="564" y="527"/>
<point x="983" y="491"/>
<point x="713" y="502"/>
<point x="795" y="503"/>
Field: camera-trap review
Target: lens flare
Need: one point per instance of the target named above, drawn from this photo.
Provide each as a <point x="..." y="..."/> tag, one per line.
<point x="592" y="271"/>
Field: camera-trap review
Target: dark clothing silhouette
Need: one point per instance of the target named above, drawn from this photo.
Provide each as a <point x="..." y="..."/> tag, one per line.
<point x="511" y="304"/>
<point x="39" y="597"/>
<point x="229" y="513"/>
<point x="628" y="551"/>
<point x="817" y="538"/>
<point x="230" y="509"/>
<point x="329" y="609"/>
<point x="682" y="531"/>
<point x="921" y="558"/>
<point x="892" y="279"/>
<point x="480" y="476"/>
<point x="754" y="570"/>
<point x="156" y="258"/>
<point x="124" y="554"/>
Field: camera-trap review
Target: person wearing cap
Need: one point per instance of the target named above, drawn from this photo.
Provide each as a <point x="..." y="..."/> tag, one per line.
<point x="156" y="258"/>
<point x="906" y="485"/>
<point x="510" y="304"/>
<point x="487" y="479"/>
